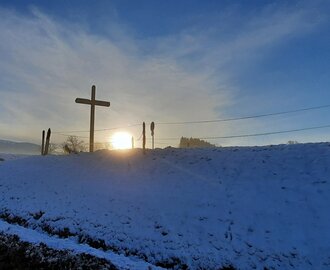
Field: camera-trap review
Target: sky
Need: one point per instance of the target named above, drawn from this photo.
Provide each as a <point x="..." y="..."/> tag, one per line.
<point x="167" y="62"/>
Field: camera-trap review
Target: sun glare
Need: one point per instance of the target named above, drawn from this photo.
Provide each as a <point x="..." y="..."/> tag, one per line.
<point x="121" y="140"/>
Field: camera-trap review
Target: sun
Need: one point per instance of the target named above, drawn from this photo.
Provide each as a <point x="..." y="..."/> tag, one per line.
<point x="121" y="140"/>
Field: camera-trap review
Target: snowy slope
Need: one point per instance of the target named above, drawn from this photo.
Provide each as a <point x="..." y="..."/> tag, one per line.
<point x="4" y="156"/>
<point x="250" y="207"/>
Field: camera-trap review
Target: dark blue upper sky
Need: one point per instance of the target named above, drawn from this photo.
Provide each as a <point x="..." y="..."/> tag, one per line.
<point x="254" y="56"/>
<point x="146" y="17"/>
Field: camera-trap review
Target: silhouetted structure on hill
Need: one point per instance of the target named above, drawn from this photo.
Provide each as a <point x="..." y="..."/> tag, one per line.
<point x="194" y="143"/>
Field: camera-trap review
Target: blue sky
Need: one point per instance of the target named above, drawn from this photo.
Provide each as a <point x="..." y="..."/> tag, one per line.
<point x="165" y="61"/>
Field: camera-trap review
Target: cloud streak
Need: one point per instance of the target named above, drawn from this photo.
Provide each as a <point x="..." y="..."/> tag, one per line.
<point x="45" y="65"/>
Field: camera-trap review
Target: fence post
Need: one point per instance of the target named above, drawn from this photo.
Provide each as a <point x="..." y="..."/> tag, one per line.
<point x="152" y="128"/>
<point x="43" y="143"/>
<point x="47" y="142"/>
<point x="144" y="138"/>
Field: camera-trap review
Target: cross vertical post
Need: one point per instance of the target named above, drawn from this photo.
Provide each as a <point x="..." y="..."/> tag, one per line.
<point x="92" y="102"/>
<point x="92" y="120"/>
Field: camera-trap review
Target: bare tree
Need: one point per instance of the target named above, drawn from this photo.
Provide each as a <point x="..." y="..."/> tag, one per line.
<point x="52" y="148"/>
<point x="73" y="145"/>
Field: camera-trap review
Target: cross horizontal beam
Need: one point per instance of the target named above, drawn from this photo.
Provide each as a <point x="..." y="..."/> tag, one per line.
<point x="91" y="102"/>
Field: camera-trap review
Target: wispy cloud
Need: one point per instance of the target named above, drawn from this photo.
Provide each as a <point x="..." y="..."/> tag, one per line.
<point x="232" y="37"/>
<point x="46" y="64"/>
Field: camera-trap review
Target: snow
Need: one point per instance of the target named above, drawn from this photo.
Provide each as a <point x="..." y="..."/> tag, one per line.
<point x="249" y="207"/>
<point x="35" y="237"/>
<point x="5" y="156"/>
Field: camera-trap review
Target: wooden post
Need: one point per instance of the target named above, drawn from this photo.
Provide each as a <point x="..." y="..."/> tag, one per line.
<point x="144" y="137"/>
<point x="43" y="143"/>
<point x="152" y="128"/>
<point x="93" y="102"/>
<point x="47" y="142"/>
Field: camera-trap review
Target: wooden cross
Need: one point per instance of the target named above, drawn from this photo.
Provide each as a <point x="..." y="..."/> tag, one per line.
<point x="92" y="102"/>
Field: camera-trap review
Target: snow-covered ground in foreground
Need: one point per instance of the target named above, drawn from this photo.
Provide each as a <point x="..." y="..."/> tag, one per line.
<point x="35" y="237"/>
<point x="251" y="207"/>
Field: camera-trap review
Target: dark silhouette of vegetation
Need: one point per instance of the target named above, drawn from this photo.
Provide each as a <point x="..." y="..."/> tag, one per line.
<point x="52" y="148"/>
<point x="194" y="143"/>
<point x="21" y="255"/>
<point x="73" y="145"/>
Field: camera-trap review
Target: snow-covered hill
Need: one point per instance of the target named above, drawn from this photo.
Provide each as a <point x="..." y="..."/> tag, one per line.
<point x="251" y="208"/>
<point x="23" y="148"/>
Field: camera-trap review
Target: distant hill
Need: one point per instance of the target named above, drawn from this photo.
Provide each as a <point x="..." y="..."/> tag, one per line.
<point x="24" y="148"/>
